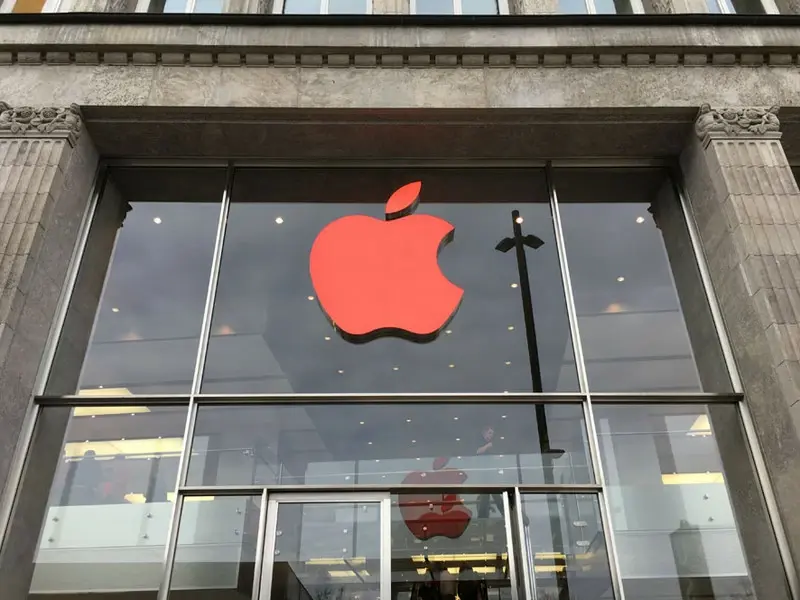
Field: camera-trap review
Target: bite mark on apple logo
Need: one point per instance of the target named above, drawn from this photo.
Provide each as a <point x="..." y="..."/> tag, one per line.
<point x="376" y="278"/>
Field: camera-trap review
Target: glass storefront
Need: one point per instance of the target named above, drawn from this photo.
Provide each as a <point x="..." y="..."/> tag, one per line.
<point x="389" y="383"/>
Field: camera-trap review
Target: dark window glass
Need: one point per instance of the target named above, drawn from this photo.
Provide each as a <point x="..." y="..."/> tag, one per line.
<point x="147" y="322"/>
<point x="269" y="334"/>
<point x="681" y="507"/>
<point x="566" y="546"/>
<point x="627" y="247"/>
<point x="111" y="487"/>
<point x="612" y="7"/>
<point x="344" y="444"/>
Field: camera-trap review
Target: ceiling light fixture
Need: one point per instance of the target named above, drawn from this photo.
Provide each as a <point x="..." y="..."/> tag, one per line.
<point x="157" y="220"/>
<point x="519" y="220"/>
<point x="620" y="279"/>
<point x="115" y="309"/>
<point x="279" y="220"/>
<point x="640" y="219"/>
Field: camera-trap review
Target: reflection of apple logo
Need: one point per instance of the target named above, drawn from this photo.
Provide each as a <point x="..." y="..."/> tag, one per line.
<point x="436" y="513"/>
<point x="382" y="278"/>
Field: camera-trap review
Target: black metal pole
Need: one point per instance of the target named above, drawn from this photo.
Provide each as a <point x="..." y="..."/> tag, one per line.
<point x="547" y="452"/>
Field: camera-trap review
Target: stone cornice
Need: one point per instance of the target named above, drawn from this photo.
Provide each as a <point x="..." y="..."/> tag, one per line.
<point x="745" y="122"/>
<point x="48" y="121"/>
<point x="413" y="58"/>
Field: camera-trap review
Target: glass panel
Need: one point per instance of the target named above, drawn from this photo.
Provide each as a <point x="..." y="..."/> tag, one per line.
<point x="435" y="7"/>
<point x="107" y="518"/>
<point x="746" y="7"/>
<point x="216" y="548"/>
<point x="172" y="6"/>
<point x="270" y="335"/>
<point x="677" y="502"/>
<point x="342" y="444"/>
<point x="713" y="6"/>
<point x="208" y="6"/>
<point x="327" y="551"/>
<point x="566" y="545"/>
<point x="347" y="7"/>
<point x="479" y="7"/>
<point x="301" y="7"/>
<point x="148" y="320"/>
<point x="572" y="7"/>
<point x="613" y="7"/>
<point x="630" y="258"/>
<point x="28" y="6"/>
<point x="449" y="545"/>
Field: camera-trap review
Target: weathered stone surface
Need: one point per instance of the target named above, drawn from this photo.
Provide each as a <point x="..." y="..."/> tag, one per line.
<point x="746" y="204"/>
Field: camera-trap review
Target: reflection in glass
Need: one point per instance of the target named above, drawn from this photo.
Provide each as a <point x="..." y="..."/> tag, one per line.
<point x="147" y="324"/>
<point x="619" y="225"/>
<point x="110" y="503"/>
<point x="269" y="334"/>
<point x="434" y="7"/>
<point x="613" y="7"/>
<point x="301" y="7"/>
<point x="479" y="7"/>
<point x="327" y="551"/>
<point x="208" y="6"/>
<point x="446" y="546"/>
<point x="674" y="524"/>
<point x="347" y="7"/>
<point x="216" y="548"/>
<point x="566" y="546"/>
<point x="348" y="444"/>
<point x="572" y="7"/>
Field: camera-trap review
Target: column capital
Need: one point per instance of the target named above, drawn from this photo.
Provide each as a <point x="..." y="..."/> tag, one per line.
<point x="727" y="122"/>
<point x="49" y="121"/>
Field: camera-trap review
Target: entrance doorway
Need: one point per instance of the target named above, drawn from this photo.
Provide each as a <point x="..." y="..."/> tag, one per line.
<point x="429" y="545"/>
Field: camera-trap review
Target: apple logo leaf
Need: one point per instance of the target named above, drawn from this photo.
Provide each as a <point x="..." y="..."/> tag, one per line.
<point x="403" y="201"/>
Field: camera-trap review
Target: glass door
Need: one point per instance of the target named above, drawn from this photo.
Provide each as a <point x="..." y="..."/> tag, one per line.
<point x="326" y="547"/>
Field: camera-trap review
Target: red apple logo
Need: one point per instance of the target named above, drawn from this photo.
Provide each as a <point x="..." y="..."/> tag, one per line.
<point x="436" y="513"/>
<point x="378" y="278"/>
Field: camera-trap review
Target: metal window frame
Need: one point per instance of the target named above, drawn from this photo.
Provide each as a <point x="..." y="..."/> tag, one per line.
<point x="584" y="396"/>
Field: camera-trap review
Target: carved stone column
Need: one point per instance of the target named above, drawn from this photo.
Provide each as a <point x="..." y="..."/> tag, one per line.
<point x="46" y="170"/>
<point x="746" y="204"/>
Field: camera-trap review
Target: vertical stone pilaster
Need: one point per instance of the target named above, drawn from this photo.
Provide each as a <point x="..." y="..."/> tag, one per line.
<point x="746" y="204"/>
<point x="46" y="171"/>
<point x="668" y="7"/>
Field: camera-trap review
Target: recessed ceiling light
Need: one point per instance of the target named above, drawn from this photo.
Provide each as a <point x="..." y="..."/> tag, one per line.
<point x="640" y="219"/>
<point x="519" y="219"/>
<point x="115" y="309"/>
<point x="511" y="328"/>
<point x="395" y="368"/>
<point x="514" y="285"/>
<point x="157" y="220"/>
<point x="419" y="458"/>
<point x="508" y="362"/>
<point x="413" y="441"/>
<point x="449" y="331"/>
<point x="408" y="420"/>
<point x="451" y="366"/>
<point x="458" y="439"/>
<point x="279" y="220"/>
<point x="361" y="422"/>
<point x="503" y="417"/>
<point x="327" y="338"/>
<point x="311" y="297"/>
<point x="340" y="371"/>
<point x="369" y="443"/>
<point x="502" y="437"/>
<point x="620" y="279"/>
<point x="455" y="418"/>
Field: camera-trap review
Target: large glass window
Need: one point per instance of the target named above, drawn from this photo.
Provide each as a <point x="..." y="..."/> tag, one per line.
<point x="269" y="334"/>
<point x="619" y="228"/>
<point x="105" y="525"/>
<point x="676" y="527"/>
<point x="417" y="443"/>
<point x="147" y="325"/>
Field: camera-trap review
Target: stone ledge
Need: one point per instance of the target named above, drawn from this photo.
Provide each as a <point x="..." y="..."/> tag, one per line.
<point x="364" y="58"/>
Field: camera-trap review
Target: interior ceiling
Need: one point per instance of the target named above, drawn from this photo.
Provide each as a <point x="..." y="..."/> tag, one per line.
<point x="534" y="134"/>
